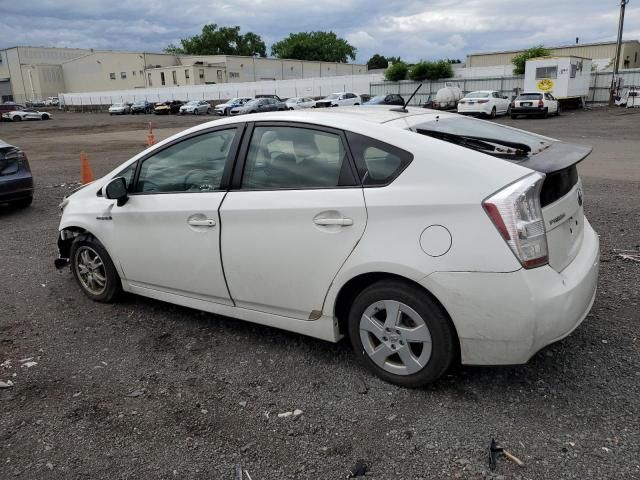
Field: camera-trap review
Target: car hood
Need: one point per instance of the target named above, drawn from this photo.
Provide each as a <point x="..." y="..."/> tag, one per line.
<point x="4" y="144"/>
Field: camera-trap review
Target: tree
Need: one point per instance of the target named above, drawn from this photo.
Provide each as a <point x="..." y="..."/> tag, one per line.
<point x="319" y="46"/>
<point x="519" y="61"/>
<point x="377" y="61"/>
<point x="431" y="70"/>
<point x="216" y="40"/>
<point x="396" y="72"/>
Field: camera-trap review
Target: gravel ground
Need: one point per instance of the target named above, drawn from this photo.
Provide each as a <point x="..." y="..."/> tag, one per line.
<point x="144" y="389"/>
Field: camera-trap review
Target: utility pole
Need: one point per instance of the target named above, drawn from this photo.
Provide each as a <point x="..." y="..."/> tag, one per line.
<point x="614" y="79"/>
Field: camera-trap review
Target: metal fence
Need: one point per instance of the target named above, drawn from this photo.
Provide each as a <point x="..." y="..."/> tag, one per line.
<point x="598" y="90"/>
<point x="307" y="87"/>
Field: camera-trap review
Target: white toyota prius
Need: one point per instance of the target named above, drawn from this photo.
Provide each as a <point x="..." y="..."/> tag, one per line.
<point x="424" y="237"/>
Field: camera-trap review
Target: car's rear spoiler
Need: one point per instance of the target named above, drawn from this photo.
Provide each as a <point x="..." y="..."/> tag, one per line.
<point x="558" y="156"/>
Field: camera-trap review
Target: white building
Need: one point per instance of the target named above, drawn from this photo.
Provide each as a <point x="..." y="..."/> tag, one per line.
<point x="34" y="73"/>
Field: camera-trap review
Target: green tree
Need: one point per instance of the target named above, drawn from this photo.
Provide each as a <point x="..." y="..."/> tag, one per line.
<point x="216" y="40"/>
<point x="319" y="46"/>
<point x="519" y="61"/>
<point x="430" y="70"/>
<point x="396" y="72"/>
<point x="377" y="61"/>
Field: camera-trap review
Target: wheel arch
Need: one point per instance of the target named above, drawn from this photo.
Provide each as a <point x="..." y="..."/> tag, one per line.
<point x="350" y="290"/>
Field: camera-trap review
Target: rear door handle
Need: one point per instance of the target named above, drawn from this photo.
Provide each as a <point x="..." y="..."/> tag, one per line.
<point x="209" y="222"/>
<point x="345" y="222"/>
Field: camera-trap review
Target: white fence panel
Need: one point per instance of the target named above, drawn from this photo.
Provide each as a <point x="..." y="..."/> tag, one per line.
<point x="313" y="87"/>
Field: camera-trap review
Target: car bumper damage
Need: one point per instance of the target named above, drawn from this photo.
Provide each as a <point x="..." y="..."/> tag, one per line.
<point x="506" y="318"/>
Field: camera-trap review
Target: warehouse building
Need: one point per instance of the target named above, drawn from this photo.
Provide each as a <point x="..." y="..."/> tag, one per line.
<point x="602" y="53"/>
<point x="35" y="73"/>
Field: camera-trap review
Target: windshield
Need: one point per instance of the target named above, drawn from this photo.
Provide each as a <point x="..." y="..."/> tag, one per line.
<point x="333" y="96"/>
<point x="117" y="105"/>
<point x="487" y="137"/>
<point x="529" y="96"/>
<point x="377" y="99"/>
<point x="293" y="100"/>
<point x="477" y="95"/>
<point x="252" y="102"/>
<point x="139" y="104"/>
<point x="193" y="102"/>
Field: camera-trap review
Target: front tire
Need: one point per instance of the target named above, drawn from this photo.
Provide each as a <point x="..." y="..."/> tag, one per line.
<point x="493" y="113"/>
<point x="17" y="118"/>
<point x="93" y="269"/>
<point x="401" y="334"/>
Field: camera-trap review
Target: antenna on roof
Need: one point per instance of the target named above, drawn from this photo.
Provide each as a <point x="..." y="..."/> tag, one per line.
<point x="403" y="109"/>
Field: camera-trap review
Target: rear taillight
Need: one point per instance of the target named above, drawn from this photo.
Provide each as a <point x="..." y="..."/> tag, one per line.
<point x="540" y="104"/>
<point x="483" y="101"/>
<point x="516" y="212"/>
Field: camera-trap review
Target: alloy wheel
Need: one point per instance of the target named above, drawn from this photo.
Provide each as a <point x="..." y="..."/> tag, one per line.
<point x="91" y="270"/>
<point x="395" y="337"/>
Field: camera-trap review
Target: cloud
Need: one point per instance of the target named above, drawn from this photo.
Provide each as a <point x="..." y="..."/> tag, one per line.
<point x="412" y="29"/>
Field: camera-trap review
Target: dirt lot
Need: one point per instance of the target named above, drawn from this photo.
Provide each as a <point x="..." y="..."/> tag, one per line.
<point x="143" y="389"/>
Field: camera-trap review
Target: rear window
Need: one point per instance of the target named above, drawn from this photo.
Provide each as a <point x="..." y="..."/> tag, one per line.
<point x="477" y="95"/>
<point x="487" y="137"/>
<point x="378" y="163"/>
<point x="529" y="96"/>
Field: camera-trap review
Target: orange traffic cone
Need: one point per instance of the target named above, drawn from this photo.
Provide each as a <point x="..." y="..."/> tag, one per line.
<point x="86" y="175"/>
<point x="150" y="138"/>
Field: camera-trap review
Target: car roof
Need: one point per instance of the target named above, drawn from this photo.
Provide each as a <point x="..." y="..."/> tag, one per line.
<point x="341" y="117"/>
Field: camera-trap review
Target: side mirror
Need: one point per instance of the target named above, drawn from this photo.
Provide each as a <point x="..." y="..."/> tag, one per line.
<point x="116" y="189"/>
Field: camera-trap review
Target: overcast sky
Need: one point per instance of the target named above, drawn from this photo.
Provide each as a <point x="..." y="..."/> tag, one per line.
<point x="412" y="29"/>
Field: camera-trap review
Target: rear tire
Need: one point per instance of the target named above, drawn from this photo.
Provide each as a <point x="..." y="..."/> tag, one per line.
<point x="493" y="113"/>
<point x="93" y="269"/>
<point x="17" y="118"/>
<point x="45" y="117"/>
<point x="415" y="347"/>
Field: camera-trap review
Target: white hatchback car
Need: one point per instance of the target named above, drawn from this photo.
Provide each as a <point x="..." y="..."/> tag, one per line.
<point x="484" y="102"/>
<point x="538" y="104"/>
<point x="425" y="237"/>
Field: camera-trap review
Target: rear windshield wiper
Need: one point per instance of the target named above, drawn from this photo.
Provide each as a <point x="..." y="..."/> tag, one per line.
<point x="480" y="143"/>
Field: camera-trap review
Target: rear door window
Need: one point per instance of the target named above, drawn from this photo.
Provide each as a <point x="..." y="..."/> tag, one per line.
<point x="378" y="163"/>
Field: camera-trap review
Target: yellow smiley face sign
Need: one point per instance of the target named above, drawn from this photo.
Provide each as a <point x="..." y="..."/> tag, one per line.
<point x="545" y="85"/>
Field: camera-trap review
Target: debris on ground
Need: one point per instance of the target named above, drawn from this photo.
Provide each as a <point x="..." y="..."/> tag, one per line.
<point x="239" y="473"/>
<point x="632" y="255"/>
<point x="285" y="414"/>
<point x="135" y="394"/>
<point x="297" y="412"/>
<point x="495" y="450"/>
<point x="7" y="384"/>
<point x="358" y="470"/>
<point x="29" y="364"/>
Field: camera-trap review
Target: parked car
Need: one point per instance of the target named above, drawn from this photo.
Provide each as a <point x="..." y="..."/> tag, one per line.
<point x="225" y="108"/>
<point x="259" y="105"/>
<point x="484" y="102"/>
<point x="119" y="109"/>
<point x="425" y="237"/>
<point x="391" y="99"/>
<point x="269" y="95"/>
<point x="195" y="107"/>
<point x="34" y="103"/>
<point x="534" y="103"/>
<point x="8" y="107"/>
<point x="52" y="101"/>
<point x="165" y="108"/>
<point x="26" y="114"/>
<point x="339" y="99"/>
<point x="16" y="180"/>
<point x="141" y="106"/>
<point x="297" y="103"/>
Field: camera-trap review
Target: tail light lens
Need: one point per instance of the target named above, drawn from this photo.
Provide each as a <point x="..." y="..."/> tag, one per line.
<point x="517" y="214"/>
<point x="483" y="101"/>
<point x="11" y="160"/>
<point x="540" y="104"/>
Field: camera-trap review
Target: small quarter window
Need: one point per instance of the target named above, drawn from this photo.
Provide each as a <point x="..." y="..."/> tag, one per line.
<point x="378" y="163"/>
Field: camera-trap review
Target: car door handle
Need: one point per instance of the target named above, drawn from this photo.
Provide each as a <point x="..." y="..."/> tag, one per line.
<point x="345" y="222"/>
<point x="209" y="222"/>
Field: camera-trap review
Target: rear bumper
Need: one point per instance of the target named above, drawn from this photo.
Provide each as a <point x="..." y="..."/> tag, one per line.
<point x="527" y="110"/>
<point x="505" y="318"/>
<point x="16" y="189"/>
<point x="482" y="108"/>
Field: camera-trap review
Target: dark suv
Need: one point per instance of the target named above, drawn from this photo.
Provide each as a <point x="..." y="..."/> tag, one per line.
<point x="16" y="181"/>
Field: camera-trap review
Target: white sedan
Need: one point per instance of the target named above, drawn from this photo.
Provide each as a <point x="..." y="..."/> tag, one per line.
<point x="195" y="107"/>
<point x="426" y="238"/>
<point x="484" y="102"/>
<point x="339" y="100"/>
<point x="26" y="114"/>
<point x="297" y="103"/>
